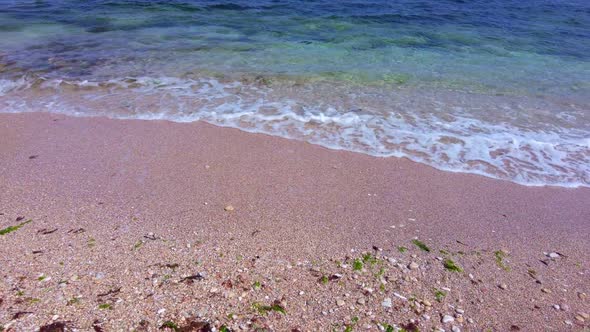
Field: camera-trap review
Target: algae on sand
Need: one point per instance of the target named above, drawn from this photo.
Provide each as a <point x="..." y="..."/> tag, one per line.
<point x="450" y="265"/>
<point x="11" y="229"/>
<point x="421" y="245"/>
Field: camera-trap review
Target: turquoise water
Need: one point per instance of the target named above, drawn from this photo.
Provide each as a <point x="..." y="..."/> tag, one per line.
<point x="498" y="88"/>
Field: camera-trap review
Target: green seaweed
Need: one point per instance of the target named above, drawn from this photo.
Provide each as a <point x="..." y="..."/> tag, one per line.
<point x="105" y="306"/>
<point x="264" y="309"/>
<point x="42" y="277"/>
<point x="73" y="300"/>
<point x="169" y="324"/>
<point x="500" y="255"/>
<point x="388" y="327"/>
<point x="451" y="266"/>
<point x="368" y="258"/>
<point x="34" y="300"/>
<point x="20" y="293"/>
<point x="357" y="265"/>
<point x="324" y="280"/>
<point x="380" y="273"/>
<point x="257" y="285"/>
<point x="439" y="295"/>
<point x="137" y="245"/>
<point x="349" y="327"/>
<point x="11" y="229"/>
<point x="91" y="242"/>
<point x="402" y="249"/>
<point x="421" y="245"/>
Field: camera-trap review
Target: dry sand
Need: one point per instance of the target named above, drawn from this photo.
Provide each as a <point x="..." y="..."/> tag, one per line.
<point x="130" y="230"/>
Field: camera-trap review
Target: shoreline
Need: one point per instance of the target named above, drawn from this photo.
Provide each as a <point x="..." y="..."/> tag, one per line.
<point x="156" y="192"/>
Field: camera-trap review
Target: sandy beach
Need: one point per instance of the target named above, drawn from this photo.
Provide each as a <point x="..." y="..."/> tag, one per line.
<point x="153" y="225"/>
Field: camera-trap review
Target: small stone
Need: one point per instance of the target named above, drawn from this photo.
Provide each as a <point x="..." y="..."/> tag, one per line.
<point x="460" y="319"/>
<point x="361" y="301"/>
<point x="387" y="303"/>
<point x="448" y="319"/>
<point x="546" y="290"/>
<point x="228" y="208"/>
<point x="213" y="290"/>
<point x="503" y="286"/>
<point x="340" y="302"/>
<point x="161" y="311"/>
<point x="582" y="296"/>
<point x="427" y="303"/>
<point x="553" y="255"/>
<point x="55" y="317"/>
<point x="301" y="293"/>
<point x="460" y="311"/>
<point x="426" y="317"/>
<point x="456" y="329"/>
<point x="584" y="315"/>
<point x="556" y="307"/>
<point x="470" y="320"/>
<point x="413" y="266"/>
<point x="580" y="318"/>
<point x="568" y="322"/>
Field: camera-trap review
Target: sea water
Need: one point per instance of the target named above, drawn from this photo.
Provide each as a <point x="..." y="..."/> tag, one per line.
<point x="497" y="88"/>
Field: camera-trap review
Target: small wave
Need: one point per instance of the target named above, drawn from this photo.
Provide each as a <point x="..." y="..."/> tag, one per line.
<point x="525" y="141"/>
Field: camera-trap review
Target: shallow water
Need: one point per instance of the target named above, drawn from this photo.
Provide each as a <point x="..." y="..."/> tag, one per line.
<point x="496" y="88"/>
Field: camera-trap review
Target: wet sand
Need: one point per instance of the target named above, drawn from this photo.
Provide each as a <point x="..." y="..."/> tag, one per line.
<point x="130" y="229"/>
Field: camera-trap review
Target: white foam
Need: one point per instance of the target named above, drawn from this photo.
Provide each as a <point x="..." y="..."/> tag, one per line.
<point x="450" y="138"/>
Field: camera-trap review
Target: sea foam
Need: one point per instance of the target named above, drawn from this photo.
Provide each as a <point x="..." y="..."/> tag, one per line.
<point x="524" y="140"/>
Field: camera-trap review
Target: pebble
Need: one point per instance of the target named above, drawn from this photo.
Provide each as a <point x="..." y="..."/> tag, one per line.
<point x="413" y="266"/>
<point x="565" y="307"/>
<point x="448" y="319"/>
<point x="360" y="301"/>
<point x="546" y="290"/>
<point x="55" y="317"/>
<point x="556" y="307"/>
<point x="340" y="302"/>
<point x="427" y="303"/>
<point x="455" y="329"/>
<point x="387" y="303"/>
<point x="229" y="208"/>
<point x="583" y="315"/>
<point x="553" y="255"/>
<point x="470" y="320"/>
<point x="161" y="311"/>
<point x="582" y="296"/>
<point x="460" y="319"/>
<point x="426" y="317"/>
<point x="580" y="318"/>
<point x="503" y="286"/>
<point x="213" y="290"/>
<point x="460" y="311"/>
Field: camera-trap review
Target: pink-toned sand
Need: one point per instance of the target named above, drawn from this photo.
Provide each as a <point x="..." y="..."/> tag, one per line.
<point x="122" y="211"/>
